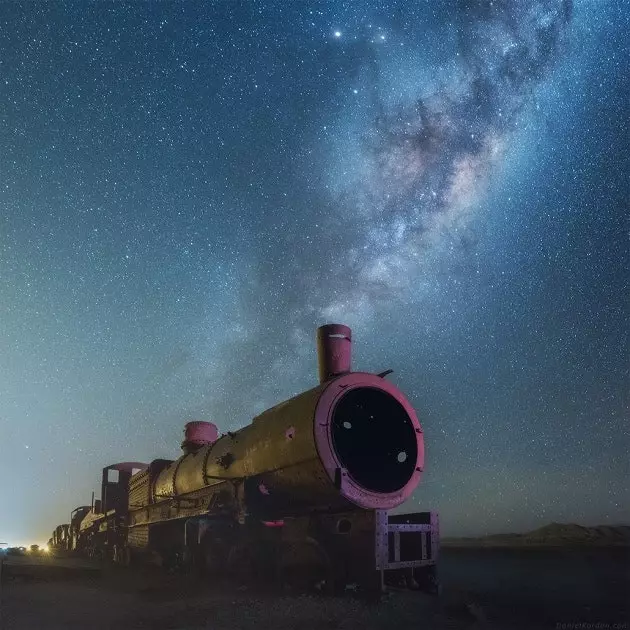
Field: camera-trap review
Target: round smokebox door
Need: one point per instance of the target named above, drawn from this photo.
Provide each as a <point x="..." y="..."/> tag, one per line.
<point x="375" y="439"/>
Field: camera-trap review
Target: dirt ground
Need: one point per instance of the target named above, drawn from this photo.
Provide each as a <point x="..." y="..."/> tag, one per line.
<point x="480" y="589"/>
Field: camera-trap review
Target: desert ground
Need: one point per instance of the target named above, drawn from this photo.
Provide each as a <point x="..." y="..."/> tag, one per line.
<point x="495" y="588"/>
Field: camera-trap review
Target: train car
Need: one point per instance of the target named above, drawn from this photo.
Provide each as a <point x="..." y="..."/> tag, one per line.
<point x="99" y="530"/>
<point x="60" y="537"/>
<point x="102" y="530"/>
<point x="76" y="517"/>
<point x="55" y="538"/>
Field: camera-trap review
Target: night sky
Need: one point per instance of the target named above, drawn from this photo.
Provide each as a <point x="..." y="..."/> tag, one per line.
<point x="188" y="189"/>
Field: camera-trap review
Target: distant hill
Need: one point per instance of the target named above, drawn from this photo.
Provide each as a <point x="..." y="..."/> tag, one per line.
<point x="554" y="535"/>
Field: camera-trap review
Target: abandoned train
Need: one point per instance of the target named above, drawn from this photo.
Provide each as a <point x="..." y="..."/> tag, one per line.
<point x="303" y="492"/>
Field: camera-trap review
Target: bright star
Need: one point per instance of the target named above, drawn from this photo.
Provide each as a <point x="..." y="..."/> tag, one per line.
<point x="337" y="33"/>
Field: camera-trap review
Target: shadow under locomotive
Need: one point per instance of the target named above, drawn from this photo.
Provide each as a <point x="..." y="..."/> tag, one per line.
<point x="302" y="495"/>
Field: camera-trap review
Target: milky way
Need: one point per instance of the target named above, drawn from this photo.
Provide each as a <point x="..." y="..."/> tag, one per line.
<point x="420" y="166"/>
<point x="428" y="160"/>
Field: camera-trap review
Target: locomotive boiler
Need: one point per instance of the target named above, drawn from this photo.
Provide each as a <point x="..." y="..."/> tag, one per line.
<point x="305" y="490"/>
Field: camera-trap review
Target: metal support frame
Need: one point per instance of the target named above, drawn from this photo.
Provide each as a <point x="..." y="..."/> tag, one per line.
<point x="202" y="526"/>
<point x="383" y="528"/>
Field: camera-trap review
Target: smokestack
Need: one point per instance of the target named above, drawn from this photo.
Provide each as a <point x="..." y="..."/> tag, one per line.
<point x="334" y="351"/>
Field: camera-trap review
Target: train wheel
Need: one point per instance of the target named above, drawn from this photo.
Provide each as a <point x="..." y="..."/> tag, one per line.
<point x="304" y="565"/>
<point x="427" y="580"/>
<point x="124" y="556"/>
<point x="213" y="559"/>
<point x="241" y="565"/>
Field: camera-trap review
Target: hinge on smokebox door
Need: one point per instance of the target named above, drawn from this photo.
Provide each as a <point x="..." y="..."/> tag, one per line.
<point x="340" y="478"/>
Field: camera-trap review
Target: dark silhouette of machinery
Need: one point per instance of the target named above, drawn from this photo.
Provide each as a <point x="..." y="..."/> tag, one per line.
<point x="303" y="493"/>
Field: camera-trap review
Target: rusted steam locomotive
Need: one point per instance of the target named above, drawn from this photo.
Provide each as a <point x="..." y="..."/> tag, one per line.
<point x="302" y="494"/>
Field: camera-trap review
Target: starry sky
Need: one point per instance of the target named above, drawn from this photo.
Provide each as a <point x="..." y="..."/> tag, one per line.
<point x="188" y="189"/>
